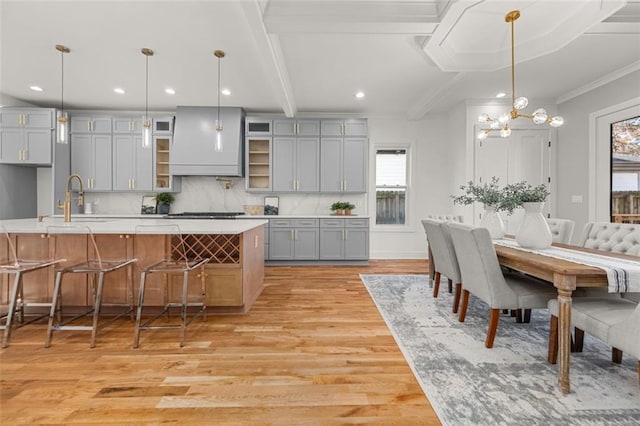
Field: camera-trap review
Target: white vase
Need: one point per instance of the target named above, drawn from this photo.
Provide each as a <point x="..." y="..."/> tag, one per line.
<point x="493" y="222"/>
<point x="534" y="231"/>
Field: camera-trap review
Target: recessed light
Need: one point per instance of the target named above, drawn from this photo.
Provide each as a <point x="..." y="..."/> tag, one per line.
<point x="169" y="91"/>
<point x="36" y="88"/>
<point x="119" y="91"/>
<point x="360" y="95"/>
<point x="225" y="92"/>
<point x="501" y="95"/>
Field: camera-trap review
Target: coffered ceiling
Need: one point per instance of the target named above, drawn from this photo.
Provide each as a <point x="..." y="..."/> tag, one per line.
<point x="409" y="57"/>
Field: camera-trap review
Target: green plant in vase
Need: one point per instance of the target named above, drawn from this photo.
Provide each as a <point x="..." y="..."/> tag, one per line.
<point x="338" y="207"/>
<point x="164" y="200"/>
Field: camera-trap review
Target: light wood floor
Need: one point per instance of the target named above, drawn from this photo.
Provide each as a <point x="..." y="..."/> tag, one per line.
<point x="313" y="350"/>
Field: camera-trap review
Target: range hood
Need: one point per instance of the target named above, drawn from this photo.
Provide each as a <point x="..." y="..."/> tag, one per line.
<point x="193" y="151"/>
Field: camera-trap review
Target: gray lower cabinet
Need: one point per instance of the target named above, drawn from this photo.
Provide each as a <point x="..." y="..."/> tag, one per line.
<point x="132" y="164"/>
<point x="91" y="159"/>
<point x="343" y="164"/>
<point x="293" y="239"/>
<point x="344" y="239"/>
<point x="295" y="164"/>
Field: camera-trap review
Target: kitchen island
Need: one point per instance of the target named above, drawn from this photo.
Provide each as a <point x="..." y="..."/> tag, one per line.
<point x="234" y="275"/>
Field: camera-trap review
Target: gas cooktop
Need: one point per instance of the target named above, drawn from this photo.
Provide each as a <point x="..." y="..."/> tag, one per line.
<point x="203" y="215"/>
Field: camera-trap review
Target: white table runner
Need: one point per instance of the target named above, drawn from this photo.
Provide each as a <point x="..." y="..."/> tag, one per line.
<point x="623" y="275"/>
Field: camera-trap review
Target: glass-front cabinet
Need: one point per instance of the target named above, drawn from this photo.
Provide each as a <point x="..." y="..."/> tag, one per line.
<point x="163" y="180"/>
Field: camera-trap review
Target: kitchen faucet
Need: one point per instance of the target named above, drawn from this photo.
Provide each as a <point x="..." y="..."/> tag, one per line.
<point x="67" y="199"/>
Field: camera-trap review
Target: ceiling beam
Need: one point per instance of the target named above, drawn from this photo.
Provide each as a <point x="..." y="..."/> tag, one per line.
<point x="271" y="58"/>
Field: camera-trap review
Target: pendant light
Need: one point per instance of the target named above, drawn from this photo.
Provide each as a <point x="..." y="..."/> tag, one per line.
<point x="146" y="122"/>
<point x="62" y="119"/>
<point x="218" y="143"/>
<point x="501" y="123"/>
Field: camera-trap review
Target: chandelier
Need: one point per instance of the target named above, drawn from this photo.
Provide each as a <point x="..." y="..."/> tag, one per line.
<point x="501" y="123"/>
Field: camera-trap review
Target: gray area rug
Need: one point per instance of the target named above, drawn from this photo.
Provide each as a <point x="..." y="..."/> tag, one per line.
<point x="512" y="383"/>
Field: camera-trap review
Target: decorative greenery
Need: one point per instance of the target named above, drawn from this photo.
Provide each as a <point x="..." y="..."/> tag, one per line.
<point x="507" y="199"/>
<point x="165" y="198"/>
<point x="342" y="205"/>
<point x="489" y="194"/>
<point x="516" y="194"/>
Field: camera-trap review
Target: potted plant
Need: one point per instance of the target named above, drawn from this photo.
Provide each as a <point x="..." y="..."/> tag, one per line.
<point x="347" y="206"/>
<point x="534" y="231"/>
<point x="337" y="207"/>
<point x="491" y="196"/>
<point x="164" y="200"/>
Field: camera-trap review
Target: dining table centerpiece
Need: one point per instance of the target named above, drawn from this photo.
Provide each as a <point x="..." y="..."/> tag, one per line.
<point x="491" y="196"/>
<point x="534" y="230"/>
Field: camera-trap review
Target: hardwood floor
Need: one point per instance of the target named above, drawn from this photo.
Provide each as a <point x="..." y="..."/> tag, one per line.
<point x="313" y="350"/>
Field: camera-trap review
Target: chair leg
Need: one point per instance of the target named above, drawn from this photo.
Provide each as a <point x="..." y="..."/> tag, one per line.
<point x="494" y="318"/>
<point x="96" y="309"/>
<point x="463" y="308"/>
<point x="616" y="355"/>
<point x="527" y="316"/>
<point x="579" y="337"/>
<point x="518" y="315"/>
<point x="456" y="298"/>
<point x="54" y="308"/>
<point x="183" y="310"/>
<point x="436" y="285"/>
<point x="136" y="330"/>
<point x="639" y="372"/>
<point x="450" y="285"/>
<point x="552" y="356"/>
<point x="17" y="282"/>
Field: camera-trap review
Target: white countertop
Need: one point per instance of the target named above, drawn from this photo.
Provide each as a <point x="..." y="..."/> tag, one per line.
<point x="118" y="225"/>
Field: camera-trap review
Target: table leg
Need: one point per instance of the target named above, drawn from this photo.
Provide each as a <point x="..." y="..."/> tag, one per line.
<point x="565" y="285"/>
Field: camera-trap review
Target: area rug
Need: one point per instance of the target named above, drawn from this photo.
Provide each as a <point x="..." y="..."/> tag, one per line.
<point x="468" y="384"/>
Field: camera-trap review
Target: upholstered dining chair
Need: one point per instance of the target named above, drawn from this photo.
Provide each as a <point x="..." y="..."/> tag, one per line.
<point x="615" y="321"/>
<point x="482" y="276"/>
<point x="561" y="229"/>
<point x="444" y="257"/>
<point x="446" y="218"/>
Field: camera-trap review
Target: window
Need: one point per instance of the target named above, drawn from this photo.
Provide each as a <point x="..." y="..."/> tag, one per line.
<point x="391" y="186"/>
<point x="625" y="169"/>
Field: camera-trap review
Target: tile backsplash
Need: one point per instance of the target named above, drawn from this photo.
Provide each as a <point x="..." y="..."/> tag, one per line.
<point x="204" y="193"/>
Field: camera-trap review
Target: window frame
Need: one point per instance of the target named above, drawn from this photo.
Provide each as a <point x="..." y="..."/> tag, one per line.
<point x="407" y="146"/>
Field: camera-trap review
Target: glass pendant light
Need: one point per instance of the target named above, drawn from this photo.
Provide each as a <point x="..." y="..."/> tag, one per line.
<point x="218" y="143"/>
<point x="501" y="123"/>
<point x="62" y="119"/>
<point x="146" y="122"/>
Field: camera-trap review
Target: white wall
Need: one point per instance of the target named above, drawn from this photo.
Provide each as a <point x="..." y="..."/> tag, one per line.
<point x="573" y="144"/>
<point x="430" y="185"/>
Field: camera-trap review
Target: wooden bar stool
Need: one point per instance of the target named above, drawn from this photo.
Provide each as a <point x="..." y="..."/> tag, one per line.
<point x="95" y="267"/>
<point x="177" y="261"/>
<point x="13" y="265"/>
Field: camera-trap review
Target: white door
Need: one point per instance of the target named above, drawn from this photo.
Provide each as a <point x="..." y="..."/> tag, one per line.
<point x="525" y="155"/>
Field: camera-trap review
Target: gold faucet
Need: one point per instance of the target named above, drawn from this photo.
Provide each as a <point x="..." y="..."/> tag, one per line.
<point x="67" y="199"/>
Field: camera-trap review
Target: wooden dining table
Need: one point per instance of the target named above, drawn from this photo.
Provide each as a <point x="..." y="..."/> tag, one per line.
<point x="566" y="276"/>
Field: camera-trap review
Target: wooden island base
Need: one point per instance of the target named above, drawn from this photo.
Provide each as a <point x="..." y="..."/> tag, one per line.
<point x="234" y="276"/>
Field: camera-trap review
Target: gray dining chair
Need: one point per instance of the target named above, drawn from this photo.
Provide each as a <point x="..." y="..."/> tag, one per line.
<point x="482" y="276"/>
<point x="446" y="218"/>
<point x="561" y="229"/>
<point x="444" y="257"/>
<point x="615" y="321"/>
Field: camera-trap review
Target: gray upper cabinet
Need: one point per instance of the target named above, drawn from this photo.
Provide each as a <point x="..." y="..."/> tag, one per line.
<point x="91" y="159"/>
<point x="255" y="126"/>
<point x="294" y="127"/>
<point x="132" y="164"/>
<point x="26" y="135"/>
<point x="343" y="164"/>
<point x="295" y="164"/>
<point x="90" y="124"/>
<point x="347" y="127"/>
<point x="127" y="125"/>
